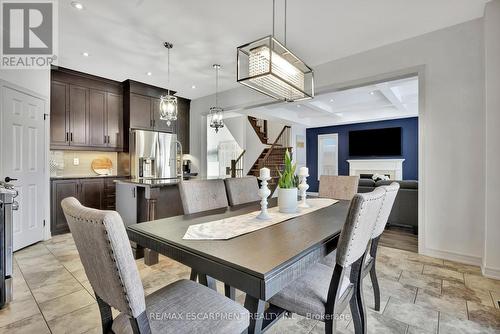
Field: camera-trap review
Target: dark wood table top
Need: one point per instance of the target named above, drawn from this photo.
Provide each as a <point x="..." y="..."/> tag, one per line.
<point x="261" y="253"/>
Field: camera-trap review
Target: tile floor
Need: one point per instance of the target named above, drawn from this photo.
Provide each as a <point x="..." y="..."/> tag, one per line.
<point x="420" y="295"/>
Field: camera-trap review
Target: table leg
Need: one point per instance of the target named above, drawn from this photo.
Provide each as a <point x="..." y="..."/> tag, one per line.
<point x="151" y="257"/>
<point x="229" y="291"/>
<point x="207" y="281"/>
<point x="256" y="308"/>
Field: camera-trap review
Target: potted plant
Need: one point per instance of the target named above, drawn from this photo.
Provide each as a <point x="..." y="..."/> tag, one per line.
<point x="287" y="186"/>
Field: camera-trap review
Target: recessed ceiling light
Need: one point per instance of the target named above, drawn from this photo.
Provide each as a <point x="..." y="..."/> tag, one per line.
<point x="77" y="5"/>
<point x="85" y="54"/>
<point x="372" y="93"/>
<point x="149" y="74"/>
<point x="298" y="105"/>
<point x="331" y="100"/>
<point x="193" y="86"/>
<point x="339" y="114"/>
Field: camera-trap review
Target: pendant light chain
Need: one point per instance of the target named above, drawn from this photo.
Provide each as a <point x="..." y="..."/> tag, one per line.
<point x="274" y="15"/>
<point x="168" y="71"/>
<point x="216" y="86"/>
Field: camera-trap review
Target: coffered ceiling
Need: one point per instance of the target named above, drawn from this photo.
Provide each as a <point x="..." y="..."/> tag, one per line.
<point x="387" y="100"/>
<point x="124" y="38"/>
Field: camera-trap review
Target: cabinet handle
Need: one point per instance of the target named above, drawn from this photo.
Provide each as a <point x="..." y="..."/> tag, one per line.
<point x="105" y="139"/>
<point x="109" y="140"/>
<point x="67" y="136"/>
<point x="71" y="136"/>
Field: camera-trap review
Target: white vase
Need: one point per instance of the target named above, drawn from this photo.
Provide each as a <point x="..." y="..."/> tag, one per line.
<point x="287" y="200"/>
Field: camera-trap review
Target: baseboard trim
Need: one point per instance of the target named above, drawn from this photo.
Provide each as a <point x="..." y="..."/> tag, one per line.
<point x="491" y="272"/>
<point x="452" y="256"/>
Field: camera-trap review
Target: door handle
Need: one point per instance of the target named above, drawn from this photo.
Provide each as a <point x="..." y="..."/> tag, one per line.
<point x="8" y="179"/>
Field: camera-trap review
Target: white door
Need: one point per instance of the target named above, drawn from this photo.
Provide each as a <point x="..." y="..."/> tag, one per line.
<point x="23" y="157"/>
<point x="328" y="154"/>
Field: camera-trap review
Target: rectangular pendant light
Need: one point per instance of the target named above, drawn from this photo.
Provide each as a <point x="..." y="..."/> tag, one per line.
<point x="270" y="68"/>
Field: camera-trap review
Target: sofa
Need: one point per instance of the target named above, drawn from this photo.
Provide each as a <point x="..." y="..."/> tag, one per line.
<point x="405" y="210"/>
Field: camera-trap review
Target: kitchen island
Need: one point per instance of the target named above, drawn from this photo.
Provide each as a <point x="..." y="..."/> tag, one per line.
<point x="140" y="200"/>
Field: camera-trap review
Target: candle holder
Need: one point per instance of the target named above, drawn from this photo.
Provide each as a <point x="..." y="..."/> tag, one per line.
<point x="264" y="193"/>
<point x="303" y="186"/>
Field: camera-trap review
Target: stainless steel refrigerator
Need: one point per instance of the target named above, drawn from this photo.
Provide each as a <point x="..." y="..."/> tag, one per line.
<point x="154" y="155"/>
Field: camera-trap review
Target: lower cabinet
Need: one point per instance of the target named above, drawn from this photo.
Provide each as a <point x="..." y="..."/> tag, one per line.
<point x="97" y="193"/>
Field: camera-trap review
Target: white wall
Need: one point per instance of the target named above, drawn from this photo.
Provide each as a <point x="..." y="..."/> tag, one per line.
<point x="452" y="168"/>
<point x="491" y="260"/>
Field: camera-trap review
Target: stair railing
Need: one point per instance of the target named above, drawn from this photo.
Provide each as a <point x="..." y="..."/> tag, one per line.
<point x="283" y="140"/>
<point x="237" y="165"/>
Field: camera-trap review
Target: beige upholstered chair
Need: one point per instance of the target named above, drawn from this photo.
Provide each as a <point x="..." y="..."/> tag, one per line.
<point x="391" y="192"/>
<point x="338" y="186"/>
<point x="324" y="292"/>
<point x="106" y="255"/>
<point x="202" y="195"/>
<point x="242" y="190"/>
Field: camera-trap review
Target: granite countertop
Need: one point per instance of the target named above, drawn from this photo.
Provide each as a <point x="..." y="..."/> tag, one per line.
<point x="153" y="183"/>
<point x="68" y="177"/>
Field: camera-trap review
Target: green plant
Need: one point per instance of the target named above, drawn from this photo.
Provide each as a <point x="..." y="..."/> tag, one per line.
<point x="288" y="179"/>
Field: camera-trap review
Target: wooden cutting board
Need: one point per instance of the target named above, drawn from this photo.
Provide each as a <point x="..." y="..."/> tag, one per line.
<point x="102" y="166"/>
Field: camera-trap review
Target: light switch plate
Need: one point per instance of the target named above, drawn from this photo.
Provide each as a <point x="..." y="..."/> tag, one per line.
<point x="76" y="161"/>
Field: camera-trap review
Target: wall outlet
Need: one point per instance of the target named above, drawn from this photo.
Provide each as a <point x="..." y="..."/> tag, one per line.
<point x="76" y="161"/>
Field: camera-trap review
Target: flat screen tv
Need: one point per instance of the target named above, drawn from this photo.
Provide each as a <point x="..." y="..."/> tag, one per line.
<point x="375" y="142"/>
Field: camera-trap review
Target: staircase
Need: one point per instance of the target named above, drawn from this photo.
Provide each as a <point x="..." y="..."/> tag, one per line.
<point x="260" y="127"/>
<point x="273" y="157"/>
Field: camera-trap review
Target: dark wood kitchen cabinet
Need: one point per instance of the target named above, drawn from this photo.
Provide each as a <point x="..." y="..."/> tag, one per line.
<point x="97" y="193"/>
<point x="92" y="192"/>
<point x="86" y="112"/>
<point x="140" y="112"/>
<point x="183" y="107"/>
<point x="60" y="189"/>
<point x="59" y="117"/>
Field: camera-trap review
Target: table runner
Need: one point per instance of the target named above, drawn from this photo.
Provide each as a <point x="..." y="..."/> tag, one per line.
<point x="231" y="227"/>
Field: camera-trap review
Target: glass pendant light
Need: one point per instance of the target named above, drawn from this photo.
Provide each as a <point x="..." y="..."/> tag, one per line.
<point x="215" y="114"/>
<point x="168" y="103"/>
<point x="267" y="66"/>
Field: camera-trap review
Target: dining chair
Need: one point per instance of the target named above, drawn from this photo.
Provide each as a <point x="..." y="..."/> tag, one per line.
<point x="391" y="192"/>
<point x="106" y="255"/>
<point x="324" y="292"/>
<point x="338" y="186"/>
<point x="202" y="195"/>
<point x="242" y="190"/>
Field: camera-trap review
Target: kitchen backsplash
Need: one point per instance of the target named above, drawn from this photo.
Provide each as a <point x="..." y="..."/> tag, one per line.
<point x="78" y="163"/>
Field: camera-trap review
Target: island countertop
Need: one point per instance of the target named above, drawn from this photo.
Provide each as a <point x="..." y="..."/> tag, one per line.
<point x="152" y="183"/>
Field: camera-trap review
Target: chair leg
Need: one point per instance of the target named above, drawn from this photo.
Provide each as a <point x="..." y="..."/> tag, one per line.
<point x="376" y="288"/>
<point x="229" y="291"/>
<point x="106" y="315"/>
<point x="330" y="326"/>
<point x="193" y="276"/>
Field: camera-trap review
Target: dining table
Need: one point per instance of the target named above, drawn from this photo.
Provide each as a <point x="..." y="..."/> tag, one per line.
<point x="259" y="263"/>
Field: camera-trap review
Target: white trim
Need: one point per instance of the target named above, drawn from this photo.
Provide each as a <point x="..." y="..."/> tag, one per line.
<point x="452" y="256"/>
<point x="490" y="272"/>
<point x="392" y="166"/>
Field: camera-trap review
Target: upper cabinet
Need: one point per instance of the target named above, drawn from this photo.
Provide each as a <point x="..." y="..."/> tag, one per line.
<point x="86" y="112"/>
<point x="142" y="111"/>
<point x="93" y="113"/>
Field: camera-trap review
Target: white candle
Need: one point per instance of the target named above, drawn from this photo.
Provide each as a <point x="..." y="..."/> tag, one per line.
<point x="265" y="172"/>
<point x="304" y="171"/>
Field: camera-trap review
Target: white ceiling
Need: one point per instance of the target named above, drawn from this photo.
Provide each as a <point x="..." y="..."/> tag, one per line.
<point x="388" y="100"/>
<point x="124" y="37"/>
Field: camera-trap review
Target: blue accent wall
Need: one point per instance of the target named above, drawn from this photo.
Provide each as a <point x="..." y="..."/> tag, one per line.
<point x="409" y="146"/>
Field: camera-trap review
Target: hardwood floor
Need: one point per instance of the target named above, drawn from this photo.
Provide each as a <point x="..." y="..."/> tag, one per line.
<point x="400" y="238"/>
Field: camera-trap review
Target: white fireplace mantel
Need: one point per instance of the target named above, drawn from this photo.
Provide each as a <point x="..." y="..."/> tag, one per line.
<point x="393" y="167"/>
